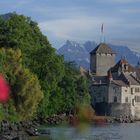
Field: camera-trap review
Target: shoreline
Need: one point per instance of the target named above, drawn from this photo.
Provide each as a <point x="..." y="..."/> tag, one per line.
<point x="26" y="129"/>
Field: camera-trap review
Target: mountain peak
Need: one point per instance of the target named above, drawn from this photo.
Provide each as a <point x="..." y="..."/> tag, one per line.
<point x="79" y="53"/>
<point x="72" y="43"/>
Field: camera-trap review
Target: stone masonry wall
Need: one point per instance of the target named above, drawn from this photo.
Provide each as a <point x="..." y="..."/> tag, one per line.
<point x="113" y="109"/>
<point x="103" y="63"/>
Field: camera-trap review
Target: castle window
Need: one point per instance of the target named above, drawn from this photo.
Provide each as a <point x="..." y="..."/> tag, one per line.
<point x="137" y="89"/>
<point x="137" y="98"/>
<point x="126" y="99"/>
<point x="115" y="99"/>
<point x="125" y="67"/>
<point x="131" y="90"/>
<point x="133" y="102"/>
<point x="115" y="89"/>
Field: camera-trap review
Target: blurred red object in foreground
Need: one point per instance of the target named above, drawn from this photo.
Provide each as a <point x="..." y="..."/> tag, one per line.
<point x="4" y="89"/>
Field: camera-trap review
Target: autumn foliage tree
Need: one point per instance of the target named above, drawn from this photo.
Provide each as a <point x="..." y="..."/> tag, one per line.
<point x="25" y="88"/>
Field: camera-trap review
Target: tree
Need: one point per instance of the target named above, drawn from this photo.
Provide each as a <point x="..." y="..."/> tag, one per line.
<point x="33" y="69"/>
<point x="27" y="93"/>
<point x="25" y="88"/>
<point x="21" y="32"/>
<point x="72" y="92"/>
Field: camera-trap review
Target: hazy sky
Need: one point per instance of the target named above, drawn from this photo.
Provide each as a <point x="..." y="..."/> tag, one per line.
<point x="81" y="20"/>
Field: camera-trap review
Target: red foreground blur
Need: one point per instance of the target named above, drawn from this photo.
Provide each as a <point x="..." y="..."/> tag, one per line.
<point x="4" y="89"/>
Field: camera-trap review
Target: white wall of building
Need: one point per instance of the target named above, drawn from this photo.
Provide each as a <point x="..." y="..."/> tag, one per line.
<point x="114" y="92"/>
<point x="125" y="95"/>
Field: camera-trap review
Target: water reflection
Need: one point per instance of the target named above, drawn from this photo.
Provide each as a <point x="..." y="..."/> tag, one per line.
<point x="104" y="132"/>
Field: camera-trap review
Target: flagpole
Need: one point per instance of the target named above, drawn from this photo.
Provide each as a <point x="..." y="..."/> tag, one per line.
<point x="102" y="33"/>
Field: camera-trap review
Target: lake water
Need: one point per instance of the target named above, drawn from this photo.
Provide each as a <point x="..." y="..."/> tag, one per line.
<point x="96" y="132"/>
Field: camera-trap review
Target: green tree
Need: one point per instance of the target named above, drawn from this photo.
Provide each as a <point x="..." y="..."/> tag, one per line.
<point x="49" y="68"/>
<point x="21" y="32"/>
<point x="72" y="91"/>
<point x="31" y="66"/>
<point x="27" y="93"/>
<point x="25" y="88"/>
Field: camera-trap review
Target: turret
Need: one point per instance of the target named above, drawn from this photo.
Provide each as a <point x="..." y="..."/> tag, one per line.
<point x="102" y="58"/>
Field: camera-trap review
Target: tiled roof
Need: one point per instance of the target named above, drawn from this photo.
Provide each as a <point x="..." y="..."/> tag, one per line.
<point x="119" y="65"/>
<point x="132" y="79"/>
<point x="138" y="72"/>
<point x="102" y="48"/>
<point x="119" y="83"/>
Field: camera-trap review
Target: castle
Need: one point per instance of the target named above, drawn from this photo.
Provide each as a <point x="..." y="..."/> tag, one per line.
<point x="115" y="88"/>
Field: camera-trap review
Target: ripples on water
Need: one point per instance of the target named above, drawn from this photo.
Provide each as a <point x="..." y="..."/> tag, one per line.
<point x="104" y="132"/>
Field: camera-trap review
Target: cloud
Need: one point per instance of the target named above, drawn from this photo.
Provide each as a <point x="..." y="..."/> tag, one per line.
<point x="81" y="19"/>
<point x="77" y="28"/>
<point x="132" y="43"/>
<point x="15" y="3"/>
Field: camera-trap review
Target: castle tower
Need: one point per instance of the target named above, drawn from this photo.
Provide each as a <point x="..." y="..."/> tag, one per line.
<point x="102" y="58"/>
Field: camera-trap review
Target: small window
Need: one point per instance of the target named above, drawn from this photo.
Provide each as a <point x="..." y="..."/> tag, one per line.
<point x="115" y="89"/>
<point x="137" y="89"/>
<point x="126" y="99"/>
<point x="131" y="90"/>
<point x="115" y="99"/>
<point x="133" y="102"/>
<point x="125" y="66"/>
<point x="137" y="98"/>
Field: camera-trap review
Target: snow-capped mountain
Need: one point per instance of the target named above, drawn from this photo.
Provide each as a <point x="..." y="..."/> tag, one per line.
<point x="73" y="51"/>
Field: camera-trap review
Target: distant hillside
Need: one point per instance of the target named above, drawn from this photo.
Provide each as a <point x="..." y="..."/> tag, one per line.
<point x="6" y="16"/>
<point x="79" y="53"/>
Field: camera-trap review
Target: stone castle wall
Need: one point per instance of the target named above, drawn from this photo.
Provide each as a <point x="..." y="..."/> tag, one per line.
<point x="113" y="109"/>
<point x="101" y="63"/>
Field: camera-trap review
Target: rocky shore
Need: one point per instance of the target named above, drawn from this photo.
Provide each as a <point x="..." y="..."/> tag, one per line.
<point x="22" y="130"/>
<point x="119" y="119"/>
<point x="17" y="131"/>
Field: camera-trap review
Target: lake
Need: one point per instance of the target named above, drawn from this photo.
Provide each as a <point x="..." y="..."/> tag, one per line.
<point x="95" y="132"/>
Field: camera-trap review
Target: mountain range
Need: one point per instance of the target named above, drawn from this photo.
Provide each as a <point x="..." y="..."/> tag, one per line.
<point x="74" y="51"/>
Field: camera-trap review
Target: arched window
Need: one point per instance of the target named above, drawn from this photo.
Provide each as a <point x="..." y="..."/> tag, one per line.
<point x="115" y="99"/>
